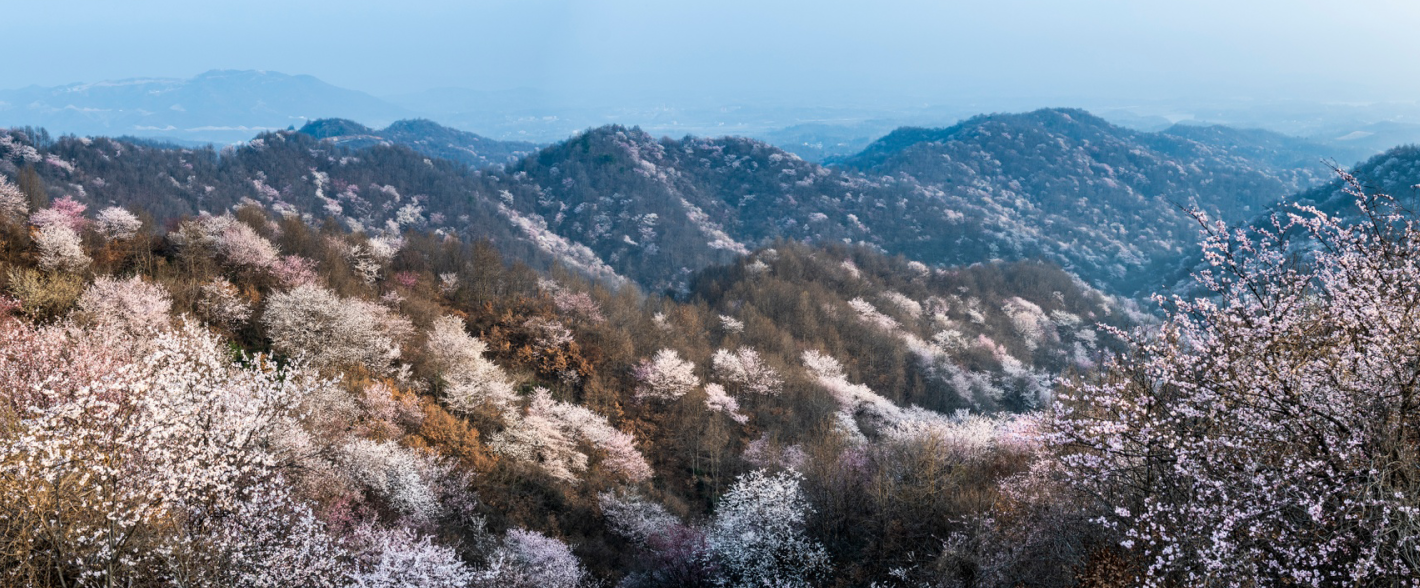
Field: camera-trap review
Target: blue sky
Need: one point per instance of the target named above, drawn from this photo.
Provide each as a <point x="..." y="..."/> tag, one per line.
<point x="884" y="52"/>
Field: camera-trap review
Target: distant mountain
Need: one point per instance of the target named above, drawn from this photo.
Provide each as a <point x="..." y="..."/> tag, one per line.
<point x="1371" y="138"/>
<point x="222" y="106"/>
<point x="1104" y="201"/>
<point x="619" y="204"/>
<point x="1281" y="152"/>
<point x="1395" y="173"/>
<point x="424" y="136"/>
<point x="819" y="142"/>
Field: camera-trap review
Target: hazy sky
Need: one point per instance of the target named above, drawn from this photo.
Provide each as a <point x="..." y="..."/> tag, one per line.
<point x="886" y="52"/>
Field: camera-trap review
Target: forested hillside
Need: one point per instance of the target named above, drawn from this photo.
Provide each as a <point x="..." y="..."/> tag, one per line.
<point x="1108" y="203"/>
<point x="298" y="363"/>
<point x="1395" y="173"/>
<point x="1102" y="202"/>
<point x="386" y="402"/>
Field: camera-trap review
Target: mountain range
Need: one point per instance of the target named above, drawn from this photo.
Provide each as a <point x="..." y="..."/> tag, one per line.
<point x="221" y="106"/>
<point x="424" y="136"/>
<point x="1106" y="203"/>
<point x="229" y="106"/>
<point x="618" y="327"/>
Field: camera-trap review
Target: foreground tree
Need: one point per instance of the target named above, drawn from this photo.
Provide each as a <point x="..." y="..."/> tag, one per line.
<point x="758" y="537"/>
<point x="116" y="466"/>
<point x="1268" y="434"/>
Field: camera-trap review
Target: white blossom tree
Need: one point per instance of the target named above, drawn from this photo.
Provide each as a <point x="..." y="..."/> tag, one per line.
<point x="269" y="540"/>
<point x="405" y="478"/>
<point x="134" y="305"/>
<point x="469" y="379"/>
<point x="330" y="331"/>
<point x="549" y="432"/>
<point x="665" y="376"/>
<point x="14" y="204"/>
<point x="60" y="249"/>
<point x="399" y="558"/>
<point x="757" y="535"/>
<point x="113" y="448"/>
<point x="1266" y="434"/>
<point x="116" y="224"/>
<point x="528" y="559"/>
<point x="745" y="371"/>
<point x="717" y="400"/>
<point x="221" y="304"/>
<point x="235" y="243"/>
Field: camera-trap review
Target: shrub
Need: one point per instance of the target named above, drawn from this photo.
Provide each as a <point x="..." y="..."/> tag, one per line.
<point x="44" y="295"/>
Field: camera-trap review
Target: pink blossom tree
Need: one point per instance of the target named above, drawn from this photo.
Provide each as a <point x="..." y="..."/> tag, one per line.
<point x="578" y="304"/>
<point x="64" y="211"/>
<point x="292" y="271"/>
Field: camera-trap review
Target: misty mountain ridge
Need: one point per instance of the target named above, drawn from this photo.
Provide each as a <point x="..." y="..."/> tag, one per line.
<point x="222" y="106"/>
<point x="424" y="136"/>
<point x="227" y="106"/>
<point x="1101" y="201"/>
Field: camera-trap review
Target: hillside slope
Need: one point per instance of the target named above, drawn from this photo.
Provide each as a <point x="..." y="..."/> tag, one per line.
<point x="1108" y="203"/>
<point x="1100" y="201"/>
<point x="471" y="413"/>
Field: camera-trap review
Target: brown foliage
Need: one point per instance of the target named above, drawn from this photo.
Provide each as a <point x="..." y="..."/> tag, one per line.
<point x="453" y="437"/>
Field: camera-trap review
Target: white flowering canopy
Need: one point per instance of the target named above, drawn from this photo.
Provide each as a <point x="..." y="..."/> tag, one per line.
<point x="665" y="376"/>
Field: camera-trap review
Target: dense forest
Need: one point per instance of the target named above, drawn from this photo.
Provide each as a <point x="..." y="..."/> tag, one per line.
<point x="1105" y="203"/>
<point x="299" y="363"/>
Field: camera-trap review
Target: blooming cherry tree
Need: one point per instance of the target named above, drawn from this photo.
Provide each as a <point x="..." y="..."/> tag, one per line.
<point x="757" y="534"/>
<point x="396" y="558"/>
<point x="132" y="304"/>
<point x="717" y="400"/>
<point x="220" y="303"/>
<point x="111" y="447"/>
<point x="65" y="211"/>
<point x="1266" y="435"/>
<point x="116" y="224"/>
<point x="60" y="249"/>
<point x="469" y="379"/>
<point x="549" y="431"/>
<point x="312" y="322"/>
<point x="528" y="559"/>
<point x="14" y="204"/>
<point x="665" y="376"/>
<point x="745" y="371"/>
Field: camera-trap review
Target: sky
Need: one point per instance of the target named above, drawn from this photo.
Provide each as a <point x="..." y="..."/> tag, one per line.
<point x="879" y="53"/>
